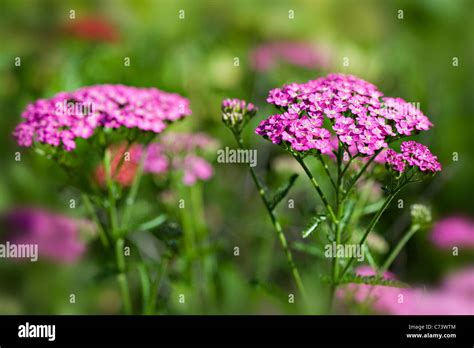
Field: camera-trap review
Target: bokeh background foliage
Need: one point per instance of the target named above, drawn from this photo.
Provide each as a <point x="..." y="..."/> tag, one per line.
<point x="410" y="57"/>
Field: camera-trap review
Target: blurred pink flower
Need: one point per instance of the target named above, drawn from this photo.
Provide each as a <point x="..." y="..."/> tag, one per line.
<point x="266" y="56"/>
<point x="156" y="161"/>
<point x="57" y="236"/>
<point x="453" y="231"/>
<point x="196" y="168"/>
<point x="460" y="283"/>
<point x="382" y="298"/>
<point x="454" y="297"/>
<point x="178" y="151"/>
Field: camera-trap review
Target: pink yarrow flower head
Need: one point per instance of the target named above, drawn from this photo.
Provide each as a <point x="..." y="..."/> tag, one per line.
<point x="236" y="113"/>
<point x="57" y="236"/>
<point x="181" y="152"/>
<point x="60" y="120"/>
<point x="355" y="110"/>
<point x="415" y="155"/>
<point x="453" y="231"/>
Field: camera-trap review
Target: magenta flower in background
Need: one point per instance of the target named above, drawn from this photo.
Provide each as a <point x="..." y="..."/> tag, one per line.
<point x="57" y="236"/>
<point x="460" y="283"/>
<point x="266" y="56"/>
<point x="454" y="297"/>
<point x="453" y="231"/>
<point x="381" y="298"/>
<point x="196" y="168"/>
<point x="178" y="152"/>
<point x="58" y="121"/>
<point x="156" y="161"/>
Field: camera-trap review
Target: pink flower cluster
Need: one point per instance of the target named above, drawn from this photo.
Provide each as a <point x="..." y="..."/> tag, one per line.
<point x="69" y="115"/>
<point x="302" y="134"/>
<point x="358" y="114"/>
<point x="178" y="151"/>
<point x="415" y="155"/>
<point x="407" y="117"/>
<point x="454" y="231"/>
<point x="453" y="297"/>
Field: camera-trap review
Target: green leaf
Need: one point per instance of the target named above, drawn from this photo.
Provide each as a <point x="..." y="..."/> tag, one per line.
<point x="145" y="284"/>
<point x="308" y="249"/>
<point x="313" y="225"/>
<point x="149" y="225"/>
<point x="372" y="208"/>
<point x="282" y="191"/>
<point x="372" y="280"/>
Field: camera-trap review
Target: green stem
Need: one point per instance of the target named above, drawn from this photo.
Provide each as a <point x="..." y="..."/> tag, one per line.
<point x="328" y="173"/>
<point x="113" y="220"/>
<point x="394" y="253"/>
<point x="372" y="224"/>
<point x="132" y="195"/>
<point x="122" y="277"/>
<point x="318" y="188"/>
<point x="155" y="286"/>
<point x="145" y="285"/>
<point x="90" y="209"/>
<point x="359" y="174"/>
<point x="338" y="228"/>
<point x="119" y="242"/>
<point x="348" y="164"/>
<point x="276" y="225"/>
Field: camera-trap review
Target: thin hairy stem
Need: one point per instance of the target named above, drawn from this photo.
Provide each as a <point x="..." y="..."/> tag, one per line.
<point x="326" y="169"/>
<point x="119" y="242"/>
<point x="318" y="188"/>
<point x="276" y="225"/>
<point x="122" y="277"/>
<point x="359" y="174"/>
<point x="112" y="209"/>
<point x="372" y="224"/>
<point x="132" y="195"/>
<point x="93" y="215"/>
<point x="394" y="253"/>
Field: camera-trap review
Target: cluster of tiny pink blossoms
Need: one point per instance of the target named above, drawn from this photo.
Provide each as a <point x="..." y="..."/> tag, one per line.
<point x="412" y="154"/>
<point x="358" y="113"/>
<point x="69" y="115"/>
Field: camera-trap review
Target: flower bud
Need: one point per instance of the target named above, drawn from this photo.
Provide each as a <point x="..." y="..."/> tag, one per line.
<point x="236" y="113"/>
<point x="420" y="215"/>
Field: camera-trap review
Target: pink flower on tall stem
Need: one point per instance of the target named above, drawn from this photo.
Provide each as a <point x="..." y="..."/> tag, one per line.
<point x="351" y="109"/>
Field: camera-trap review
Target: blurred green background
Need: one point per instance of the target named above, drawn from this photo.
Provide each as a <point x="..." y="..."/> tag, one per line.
<point x="409" y="57"/>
